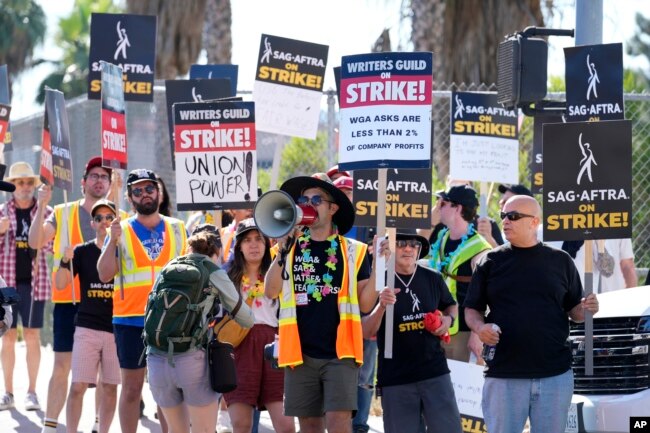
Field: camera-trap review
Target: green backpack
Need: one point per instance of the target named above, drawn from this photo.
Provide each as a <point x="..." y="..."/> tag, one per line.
<point x="180" y="305"/>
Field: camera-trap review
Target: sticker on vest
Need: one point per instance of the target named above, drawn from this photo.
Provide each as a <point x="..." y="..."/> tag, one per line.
<point x="302" y="299"/>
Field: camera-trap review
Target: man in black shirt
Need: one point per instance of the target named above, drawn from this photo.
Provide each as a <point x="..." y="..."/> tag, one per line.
<point x="531" y="290"/>
<point x="416" y="379"/>
<point x="94" y="345"/>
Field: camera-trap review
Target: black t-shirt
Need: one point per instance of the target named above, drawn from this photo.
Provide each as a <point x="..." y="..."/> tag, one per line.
<point x="464" y="270"/>
<point x="318" y="319"/>
<point x="529" y="292"/>
<point x="417" y="354"/>
<point x="24" y="254"/>
<point x="96" y="306"/>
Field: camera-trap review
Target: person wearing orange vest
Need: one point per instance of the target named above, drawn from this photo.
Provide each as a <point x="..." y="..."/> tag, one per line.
<point x="228" y="232"/>
<point x="147" y="241"/>
<point x="323" y="290"/>
<point x="68" y="225"/>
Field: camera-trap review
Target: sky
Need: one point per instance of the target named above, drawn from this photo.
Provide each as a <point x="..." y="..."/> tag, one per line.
<point x="346" y="26"/>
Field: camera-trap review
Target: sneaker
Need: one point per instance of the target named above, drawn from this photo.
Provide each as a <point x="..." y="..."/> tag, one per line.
<point x="7" y="401"/>
<point x="31" y="402"/>
<point x="223" y="423"/>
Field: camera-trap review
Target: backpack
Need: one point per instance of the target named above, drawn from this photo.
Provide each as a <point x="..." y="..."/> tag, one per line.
<point x="179" y="307"/>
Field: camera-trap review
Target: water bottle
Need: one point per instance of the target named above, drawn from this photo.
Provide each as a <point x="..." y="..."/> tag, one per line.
<point x="488" y="349"/>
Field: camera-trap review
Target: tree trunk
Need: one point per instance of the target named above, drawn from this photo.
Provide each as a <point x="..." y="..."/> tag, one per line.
<point x="178" y="42"/>
<point x="217" y="34"/>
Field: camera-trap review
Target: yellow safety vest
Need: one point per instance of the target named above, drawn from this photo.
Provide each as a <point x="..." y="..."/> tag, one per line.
<point x="139" y="272"/>
<point x="349" y="337"/>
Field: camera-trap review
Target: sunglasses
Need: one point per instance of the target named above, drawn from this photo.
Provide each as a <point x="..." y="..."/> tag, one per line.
<point x="99" y="218"/>
<point x="315" y="200"/>
<point x="409" y="243"/>
<point x="515" y="216"/>
<point x="149" y="189"/>
<point x="29" y="182"/>
<point x="445" y="203"/>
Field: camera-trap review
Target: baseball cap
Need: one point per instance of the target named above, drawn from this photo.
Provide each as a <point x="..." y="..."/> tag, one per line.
<point x="344" y="182"/>
<point x="208" y="228"/>
<point x="515" y="189"/>
<point x="103" y="203"/>
<point x="335" y="170"/>
<point x="95" y="161"/>
<point x="245" y="226"/>
<point x="141" y="175"/>
<point x="463" y="195"/>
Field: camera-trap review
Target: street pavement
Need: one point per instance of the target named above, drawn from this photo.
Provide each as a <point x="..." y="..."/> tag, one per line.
<point x="21" y="421"/>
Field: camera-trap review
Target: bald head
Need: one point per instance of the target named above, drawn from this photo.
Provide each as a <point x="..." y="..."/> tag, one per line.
<point x="525" y="204"/>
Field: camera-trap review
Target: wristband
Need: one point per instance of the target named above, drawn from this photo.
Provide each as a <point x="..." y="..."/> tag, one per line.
<point x="64" y="264"/>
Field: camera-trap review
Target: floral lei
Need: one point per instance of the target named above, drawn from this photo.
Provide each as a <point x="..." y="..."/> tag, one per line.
<point x="439" y="260"/>
<point x="308" y="265"/>
<point x="254" y="292"/>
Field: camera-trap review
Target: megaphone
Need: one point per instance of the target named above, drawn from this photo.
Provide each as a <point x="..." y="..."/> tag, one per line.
<point x="276" y="214"/>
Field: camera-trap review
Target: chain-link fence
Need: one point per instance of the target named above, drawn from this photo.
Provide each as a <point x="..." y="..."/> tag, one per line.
<point x="148" y="142"/>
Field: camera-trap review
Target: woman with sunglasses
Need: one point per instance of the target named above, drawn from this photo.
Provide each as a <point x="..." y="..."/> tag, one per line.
<point x="259" y="384"/>
<point x="94" y="348"/>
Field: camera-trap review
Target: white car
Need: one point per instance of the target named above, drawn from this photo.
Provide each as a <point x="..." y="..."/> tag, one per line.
<point x="620" y="386"/>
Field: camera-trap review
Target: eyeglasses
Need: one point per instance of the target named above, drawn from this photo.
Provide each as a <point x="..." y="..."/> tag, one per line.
<point x="95" y="177"/>
<point x="315" y="200"/>
<point x="445" y="203"/>
<point x="99" y="218"/>
<point x="149" y="189"/>
<point x="515" y="216"/>
<point x="409" y="243"/>
<point x="22" y="182"/>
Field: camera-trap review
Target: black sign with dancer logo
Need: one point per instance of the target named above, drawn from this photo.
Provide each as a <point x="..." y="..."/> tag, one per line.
<point x="587" y="180"/>
<point x="594" y="82"/>
<point x="128" y="41"/>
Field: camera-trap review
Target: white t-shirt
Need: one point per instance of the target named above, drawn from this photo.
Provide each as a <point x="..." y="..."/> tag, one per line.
<point x="619" y="249"/>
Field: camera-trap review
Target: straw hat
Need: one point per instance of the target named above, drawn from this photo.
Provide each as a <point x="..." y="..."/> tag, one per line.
<point x="22" y="170"/>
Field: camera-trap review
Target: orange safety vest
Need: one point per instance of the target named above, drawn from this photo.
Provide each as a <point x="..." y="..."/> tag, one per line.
<point x="227" y="236"/>
<point x="349" y="337"/>
<point x="139" y="272"/>
<point x="68" y="232"/>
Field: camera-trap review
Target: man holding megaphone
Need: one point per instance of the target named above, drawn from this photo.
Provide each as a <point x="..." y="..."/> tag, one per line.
<point x="326" y="282"/>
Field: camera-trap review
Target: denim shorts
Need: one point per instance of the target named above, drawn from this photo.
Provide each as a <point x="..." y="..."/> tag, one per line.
<point x="186" y="382"/>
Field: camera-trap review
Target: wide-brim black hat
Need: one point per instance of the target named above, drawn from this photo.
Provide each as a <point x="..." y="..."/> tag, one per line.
<point x="344" y="216"/>
<point x="424" y="251"/>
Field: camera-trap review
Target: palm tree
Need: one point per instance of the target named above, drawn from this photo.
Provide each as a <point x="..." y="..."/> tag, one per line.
<point x="464" y="35"/>
<point x="22" y="28"/>
<point x="217" y="34"/>
<point x="178" y="42"/>
<point x="73" y="36"/>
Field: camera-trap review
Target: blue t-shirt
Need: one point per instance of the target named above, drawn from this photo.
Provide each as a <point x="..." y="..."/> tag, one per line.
<point x="152" y="240"/>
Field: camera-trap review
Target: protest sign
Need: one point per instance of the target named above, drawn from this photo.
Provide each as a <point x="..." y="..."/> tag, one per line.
<point x="408" y="198"/>
<point x="484" y="141"/>
<point x="212" y="72"/>
<point x="5" y="99"/>
<point x="385" y="114"/>
<point x="288" y="86"/>
<point x="128" y="41"/>
<point x="46" y="174"/>
<point x="467" y="380"/>
<point x="113" y="128"/>
<point x="192" y="91"/>
<point x="5" y="110"/>
<point x="59" y="134"/>
<point x="536" y="163"/>
<point x="216" y="155"/>
<point x="594" y="82"/>
<point x="587" y="180"/>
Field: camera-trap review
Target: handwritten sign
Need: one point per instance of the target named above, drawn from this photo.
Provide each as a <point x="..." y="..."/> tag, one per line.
<point x="216" y="155"/>
<point x="386" y="111"/>
<point x="113" y="130"/>
<point x="484" y="144"/>
<point x="468" y="380"/>
<point x="288" y="86"/>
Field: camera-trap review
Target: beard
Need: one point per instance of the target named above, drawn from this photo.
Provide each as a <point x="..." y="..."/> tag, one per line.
<point x="146" y="208"/>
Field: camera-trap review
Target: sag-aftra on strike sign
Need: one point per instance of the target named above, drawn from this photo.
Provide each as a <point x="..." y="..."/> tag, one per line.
<point x="587" y="180"/>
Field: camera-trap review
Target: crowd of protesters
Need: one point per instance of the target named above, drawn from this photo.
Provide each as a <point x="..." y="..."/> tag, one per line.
<point x="312" y="292"/>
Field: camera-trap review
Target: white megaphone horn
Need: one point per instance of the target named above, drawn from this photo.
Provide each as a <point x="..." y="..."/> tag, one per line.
<point x="276" y="214"/>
